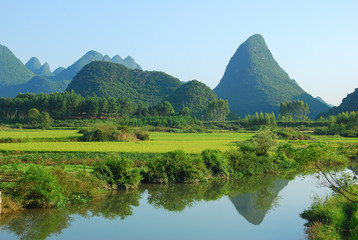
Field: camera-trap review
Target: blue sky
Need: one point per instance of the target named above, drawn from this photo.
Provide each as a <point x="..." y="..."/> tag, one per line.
<point x="315" y="42"/>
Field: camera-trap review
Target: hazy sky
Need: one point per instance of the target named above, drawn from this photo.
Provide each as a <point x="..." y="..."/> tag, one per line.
<point x="314" y="41"/>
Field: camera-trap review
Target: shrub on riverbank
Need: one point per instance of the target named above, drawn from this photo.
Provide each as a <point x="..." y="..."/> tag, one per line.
<point x="332" y="218"/>
<point x="118" y="172"/>
<point x="35" y="185"/>
<point x="176" y="166"/>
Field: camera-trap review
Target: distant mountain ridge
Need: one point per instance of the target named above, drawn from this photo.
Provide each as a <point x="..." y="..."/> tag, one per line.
<point x="349" y="104"/>
<point x="12" y="70"/>
<point x="15" y="77"/>
<point x="35" y="66"/>
<point x="322" y="101"/>
<point x="254" y="82"/>
<point x="71" y="71"/>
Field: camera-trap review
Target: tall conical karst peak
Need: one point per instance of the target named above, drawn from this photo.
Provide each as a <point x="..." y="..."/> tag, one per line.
<point x="33" y="64"/>
<point x="254" y="82"/>
<point x="45" y="70"/>
<point x="94" y="54"/>
<point x="106" y="58"/>
<point x="58" y="70"/>
<point x="117" y="59"/>
<point x="12" y="70"/>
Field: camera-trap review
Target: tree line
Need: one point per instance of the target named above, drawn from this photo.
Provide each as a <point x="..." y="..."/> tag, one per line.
<point x="70" y="105"/>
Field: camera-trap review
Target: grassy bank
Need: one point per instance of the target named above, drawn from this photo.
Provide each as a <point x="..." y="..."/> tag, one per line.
<point x="47" y="173"/>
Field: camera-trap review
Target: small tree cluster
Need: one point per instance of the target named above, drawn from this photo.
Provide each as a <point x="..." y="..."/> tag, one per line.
<point x="295" y="110"/>
<point x="268" y="119"/>
<point x="217" y="110"/>
<point x="37" y="119"/>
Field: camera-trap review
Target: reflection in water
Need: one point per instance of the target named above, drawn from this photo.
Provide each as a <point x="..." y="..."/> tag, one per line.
<point x="251" y="196"/>
<point x="253" y="206"/>
<point x="37" y="223"/>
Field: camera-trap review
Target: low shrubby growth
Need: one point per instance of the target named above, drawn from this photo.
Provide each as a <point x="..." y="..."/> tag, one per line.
<point x="34" y="185"/>
<point x="118" y="172"/>
<point x="344" y="124"/>
<point x="290" y="134"/>
<point x="331" y="218"/>
<point x="216" y="162"/>
<point x="108" y="133"/>
<point x="176" y="166"/>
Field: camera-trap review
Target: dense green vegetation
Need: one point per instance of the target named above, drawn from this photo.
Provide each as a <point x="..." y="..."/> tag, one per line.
<point x="107" y="79"/>
<point x="45" y="186"/>
<point x="194" y="95"/>
<point x="69" y="105"/>
<point x="336" y="216"/>
<point x="15" y="77"/>
<point x="120" y="205"/>
<point x="110" y="133"/>
<point x="254" y="82"/>
<point x="345" y="124"/>
<point x="294" y="110"/>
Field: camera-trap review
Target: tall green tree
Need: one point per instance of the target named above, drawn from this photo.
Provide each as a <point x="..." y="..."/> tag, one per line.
<point x="296" y="110"/>
<point x="217" y="110"/>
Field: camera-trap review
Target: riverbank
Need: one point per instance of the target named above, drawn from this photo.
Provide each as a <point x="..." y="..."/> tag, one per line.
<point x="41" y="181"/>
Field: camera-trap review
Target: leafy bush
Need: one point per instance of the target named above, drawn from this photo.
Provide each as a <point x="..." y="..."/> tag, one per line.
<point x="265" y="140"/>
<point x="38" y="188"/>
<point x="249" y="163"/>
<point x="118" y="172"/>
<point x="176" y="166"/>
<point x="216" y="162"/>
<point x="290" y="134"/>
<point x="78" y="187"/>
<point x="328" y="217"/>
<point x="108" y="133"/>
<point x="320" y="231"/>
<point x="141" y="134"/>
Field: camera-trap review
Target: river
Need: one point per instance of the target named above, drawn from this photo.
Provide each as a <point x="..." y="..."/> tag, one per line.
<point x="261" y="207"/>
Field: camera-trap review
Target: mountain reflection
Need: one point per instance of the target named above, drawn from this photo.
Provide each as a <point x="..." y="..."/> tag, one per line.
<point x="252" y="197"/>
<point x="253" y="206"/>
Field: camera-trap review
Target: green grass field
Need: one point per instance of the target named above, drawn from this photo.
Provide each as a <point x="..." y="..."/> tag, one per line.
<point x="335" y="139"/>
<point x="159" y="143"/>
<point x="34" y="133"/>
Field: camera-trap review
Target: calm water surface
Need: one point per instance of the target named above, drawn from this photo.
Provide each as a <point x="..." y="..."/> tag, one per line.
<point x="251" y="208"/>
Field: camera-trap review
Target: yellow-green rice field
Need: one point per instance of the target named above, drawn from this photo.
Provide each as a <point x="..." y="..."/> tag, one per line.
<point x="34" y="133"/>
<point x="160" y="142"/>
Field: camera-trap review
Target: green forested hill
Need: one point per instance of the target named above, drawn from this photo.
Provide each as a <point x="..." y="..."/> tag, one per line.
<point x="12" y="70"/>
<point x="106" y="79"/>
<point x="254" y="82"/>
<point x="194" y="95"/>
<point x="349" y="104"/>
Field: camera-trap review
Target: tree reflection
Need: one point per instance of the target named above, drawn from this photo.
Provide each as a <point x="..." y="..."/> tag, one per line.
<point x="115" y="205"/>
<point x="252" y="197"/>
<point x="36" y="224"/>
